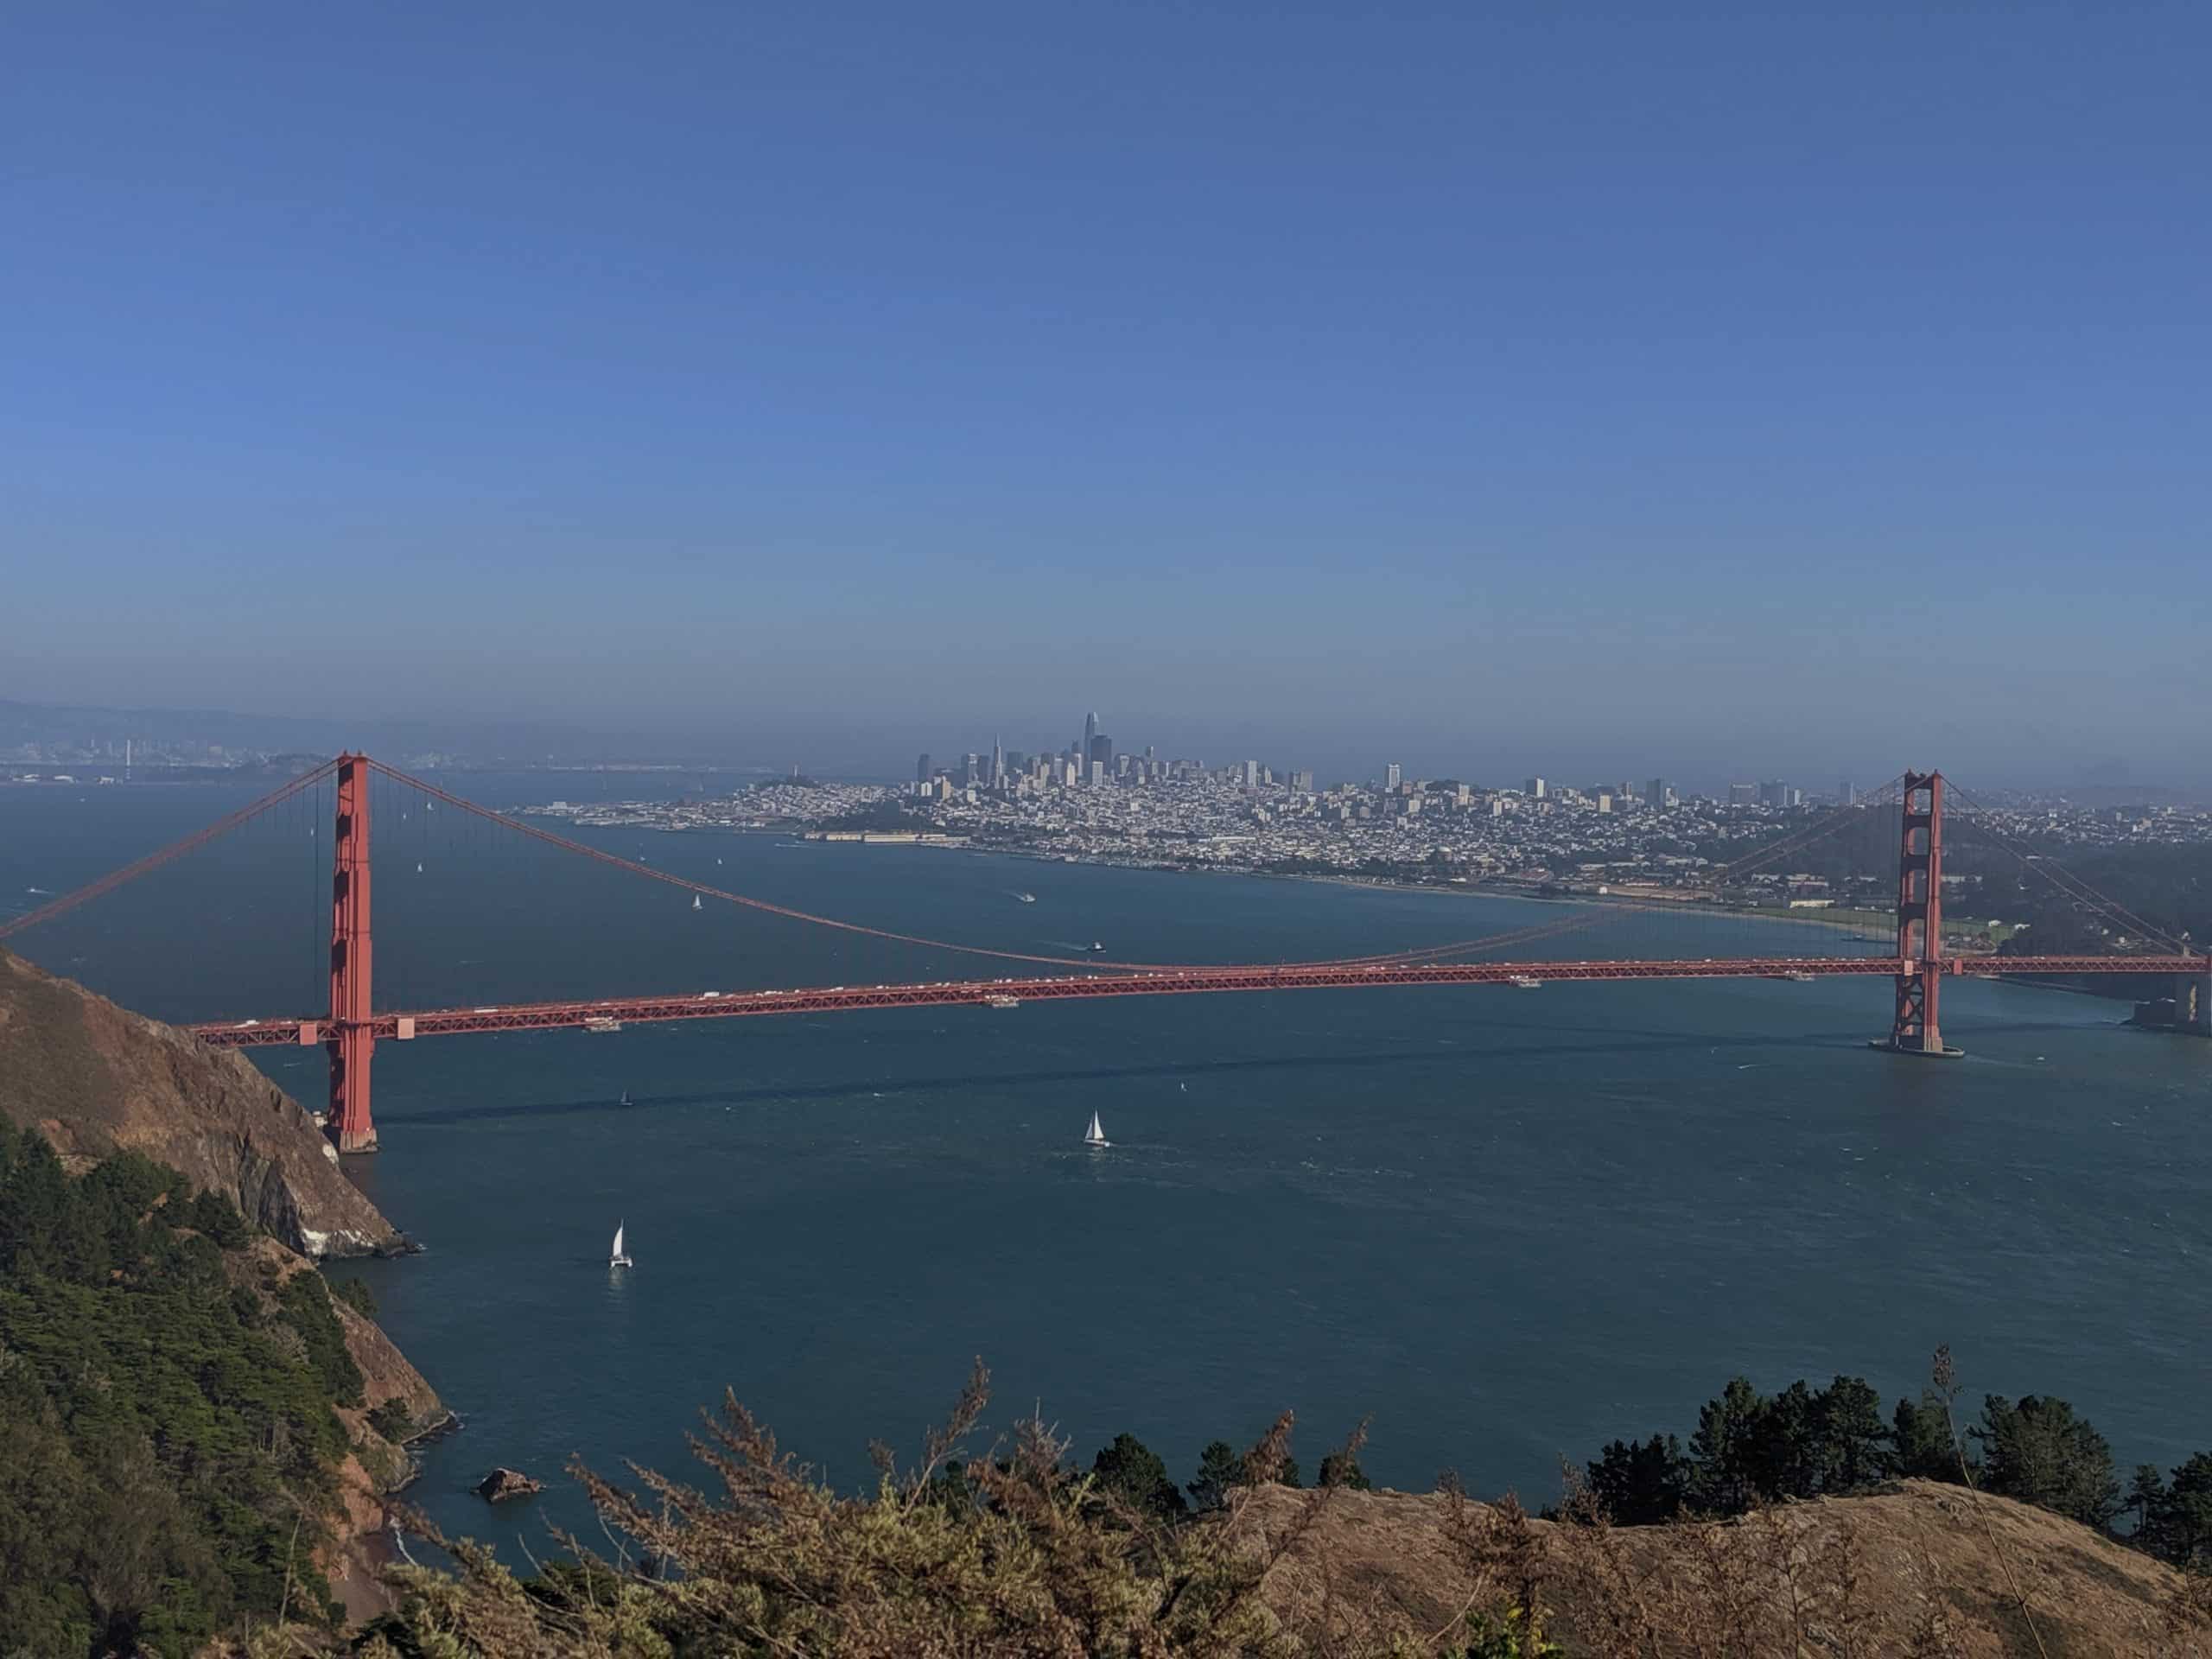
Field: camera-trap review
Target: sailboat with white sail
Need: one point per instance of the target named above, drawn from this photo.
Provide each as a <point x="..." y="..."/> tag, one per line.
<point x="1095" y="1139"/>
<point x="618" y="1257"/>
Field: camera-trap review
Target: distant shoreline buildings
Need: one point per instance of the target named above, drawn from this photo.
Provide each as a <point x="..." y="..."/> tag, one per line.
<point x="1092" y="761"/>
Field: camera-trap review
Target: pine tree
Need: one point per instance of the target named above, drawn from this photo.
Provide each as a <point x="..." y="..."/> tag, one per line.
<point x="2040" y="1453"/>
<point x="1639" y="1484"/>
<point x="2185" y="1519"/>
<point x="1725" y="1450"/>
<point x="1855" y="1445"/>
<point x="2146" y="1500"/>
<point x="1133" y="1471"/>
<point x="1220" y="1467"/>
<point x="1922" y="1437"/>
<point x="1786" y="1461"/>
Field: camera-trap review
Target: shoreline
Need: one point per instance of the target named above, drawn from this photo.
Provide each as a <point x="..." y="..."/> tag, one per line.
<point x="1688" y="905"/>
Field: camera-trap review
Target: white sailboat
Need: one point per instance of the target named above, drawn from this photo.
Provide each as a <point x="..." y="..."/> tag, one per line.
<point x="616" y="1258"/>
<point x="1097" y="1137"/>
<point x="695" y="901"/>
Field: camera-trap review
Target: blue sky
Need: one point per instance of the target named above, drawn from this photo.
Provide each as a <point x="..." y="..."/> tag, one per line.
<point x="1771" y="388"/>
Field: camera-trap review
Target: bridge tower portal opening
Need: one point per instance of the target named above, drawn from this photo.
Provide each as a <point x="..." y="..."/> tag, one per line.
<point x="351" y="1040"/>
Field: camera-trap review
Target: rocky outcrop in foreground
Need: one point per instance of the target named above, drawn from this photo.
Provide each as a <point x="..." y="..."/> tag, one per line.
<point x="96" y="1079"/>
<point x="1922" y="1568"/>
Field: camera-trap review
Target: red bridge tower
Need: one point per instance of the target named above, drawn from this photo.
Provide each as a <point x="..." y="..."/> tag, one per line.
<point x="1916" y="1028"/>
<point x="351" y="1038"/>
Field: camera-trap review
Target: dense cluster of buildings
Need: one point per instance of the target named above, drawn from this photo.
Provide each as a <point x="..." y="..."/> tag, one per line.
<point x="1095" y="802"/>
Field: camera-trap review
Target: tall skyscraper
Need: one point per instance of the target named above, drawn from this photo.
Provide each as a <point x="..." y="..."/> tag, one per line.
<point x="998" y="764"/>
<point x="1390" y="775"/>
<point x="922" y="768"/>
<point x="1250" y="772"/>
<point x="1090" y="735"/>
<point x="1535" y="788"/>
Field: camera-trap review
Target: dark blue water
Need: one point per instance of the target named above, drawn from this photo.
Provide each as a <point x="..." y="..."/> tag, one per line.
<point x="1507" y="1225"/>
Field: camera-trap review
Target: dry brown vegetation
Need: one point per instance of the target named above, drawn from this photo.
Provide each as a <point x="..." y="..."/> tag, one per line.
<point x="1913" y="1571"/>
<point x="1016" y="1556"/>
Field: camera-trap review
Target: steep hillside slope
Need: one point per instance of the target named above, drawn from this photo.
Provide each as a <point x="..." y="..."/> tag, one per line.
<point x="97" y="1078"/>
<point x="188" y="1418"/>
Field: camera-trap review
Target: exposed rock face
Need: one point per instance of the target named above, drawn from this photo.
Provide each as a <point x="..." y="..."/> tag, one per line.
<point x="503" y="1483"/>
<point x="96" y="1079"/>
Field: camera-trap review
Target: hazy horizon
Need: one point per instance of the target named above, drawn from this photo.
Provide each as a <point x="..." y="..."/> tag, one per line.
<point x="1734" y="394"/>
<point x="836" y="750"/>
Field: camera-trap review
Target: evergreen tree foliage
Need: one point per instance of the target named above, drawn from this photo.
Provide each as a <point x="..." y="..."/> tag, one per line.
<point x="2146" y="1498"/>
<point x="164" y="1425"/>
<point x="2185" y="1519"/>
<point x="1751" y="1449"/>
<point x="1133" y="1471"/>
<point x="1727" y="1453"/>
<point x="1920" y="1434"/>
<point x="1221" y="1467"/>
<point x="1856" y="1448"/>
<point x="1342" y="1469"/>
<point x="2040" y="1453"/>
<point x="2175" y="1520"/>
<point x="1637" y="1484"/>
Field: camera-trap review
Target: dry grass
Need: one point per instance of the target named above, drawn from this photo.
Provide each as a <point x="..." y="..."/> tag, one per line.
<point x="1912" y="1572"/>
<point x="1017" y="1556"/>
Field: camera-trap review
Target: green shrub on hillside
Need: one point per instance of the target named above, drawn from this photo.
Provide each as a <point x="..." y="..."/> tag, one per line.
<point x="167" y="1445"/>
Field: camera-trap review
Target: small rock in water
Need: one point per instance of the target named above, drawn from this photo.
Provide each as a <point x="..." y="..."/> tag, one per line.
<point x="503" y="1483"/>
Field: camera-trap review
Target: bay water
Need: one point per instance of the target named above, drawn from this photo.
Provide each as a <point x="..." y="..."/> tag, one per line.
<point x="1504" y="1225"/>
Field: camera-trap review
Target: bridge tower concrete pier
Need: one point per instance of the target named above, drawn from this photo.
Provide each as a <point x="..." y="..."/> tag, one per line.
<point x="1915" y="1026"/>
<point x="351" y="1037"/>
<point x="2193" y="1004"/>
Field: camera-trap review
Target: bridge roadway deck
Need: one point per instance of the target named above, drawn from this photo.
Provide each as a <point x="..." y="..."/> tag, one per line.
<point x="728" y="1005"/>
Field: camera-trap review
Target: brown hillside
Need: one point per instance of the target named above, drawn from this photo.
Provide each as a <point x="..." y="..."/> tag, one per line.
<point x="95" y="1078"/>
<point x="1910" y="1572"/>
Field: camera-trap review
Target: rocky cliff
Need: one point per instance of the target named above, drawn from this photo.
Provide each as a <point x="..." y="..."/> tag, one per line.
<point x="95" y="1078"/>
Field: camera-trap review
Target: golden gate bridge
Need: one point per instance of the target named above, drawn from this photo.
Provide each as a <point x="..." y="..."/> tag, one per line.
<point x="351" y="1028"/>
